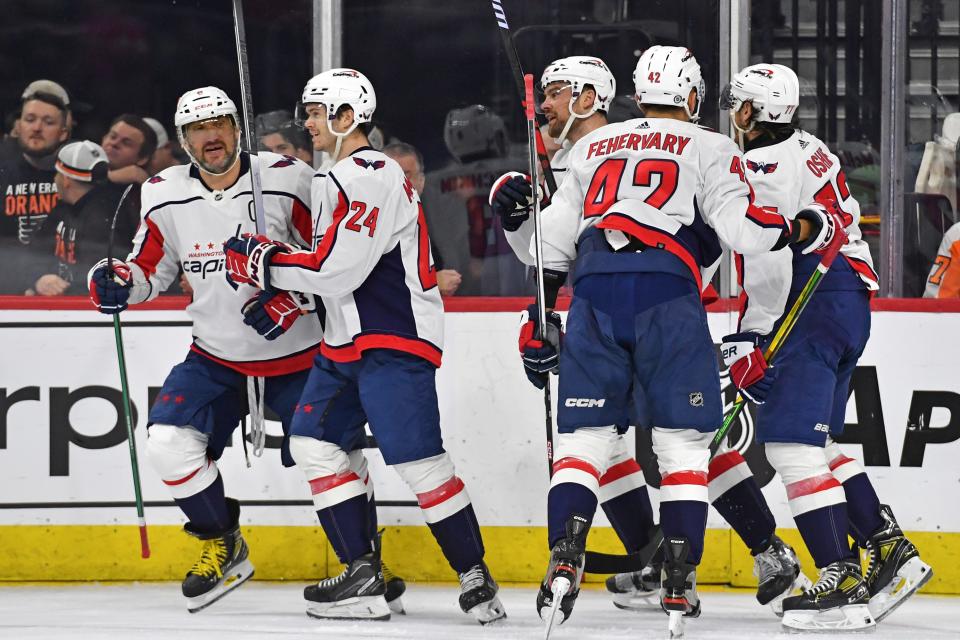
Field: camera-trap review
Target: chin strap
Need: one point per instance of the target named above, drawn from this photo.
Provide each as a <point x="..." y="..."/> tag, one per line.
<point x="340" y="137"/>
<point x="740" y="132"/>
<point x="573" y="116"/>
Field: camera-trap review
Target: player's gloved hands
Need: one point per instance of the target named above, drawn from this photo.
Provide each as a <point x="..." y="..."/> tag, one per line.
<point x="272" y="313"/>
<point x="511" y="198"/>
<point x="110" y="290"/>
<point x="540" y="355"/>
<point x="748" y="368"/>
<point x="248" y="259"/>
<point x="827" y="228"/>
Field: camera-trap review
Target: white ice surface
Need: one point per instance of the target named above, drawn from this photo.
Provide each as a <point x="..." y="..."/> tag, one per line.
<point x="263" y="610"/>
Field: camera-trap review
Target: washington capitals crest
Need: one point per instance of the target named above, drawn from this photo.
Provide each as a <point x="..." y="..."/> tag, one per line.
<point x="370" y="164"/>
<point x="762" y="167"/>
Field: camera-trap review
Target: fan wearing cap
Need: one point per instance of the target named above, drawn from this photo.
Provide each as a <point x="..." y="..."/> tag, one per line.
<point x="27" y="180"/>
<point x="167" y="153"/>
<point x="82" y="230"/>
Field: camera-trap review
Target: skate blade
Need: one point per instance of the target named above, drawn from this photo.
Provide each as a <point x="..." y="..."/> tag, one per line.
<point x="800" y="584"/>
<point x="240" y="574"/>
<point x="490" y="611"/>
<point x="396" y="606"/>
<point x="675" y="624"/>
<point x="358" y="608"/>
<point x="911" y="576"/>
<point x="855" y="617"/>
<point x="637" y="601"/>
<point x="559" y="589"/>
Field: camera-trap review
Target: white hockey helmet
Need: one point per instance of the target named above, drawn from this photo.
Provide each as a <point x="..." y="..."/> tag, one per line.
<point x="665" y="76"/>
<point x="773" y="89"/>
<point x="201" y="104"/>
<point x="336" y="88"/>
<point x="579" y="72"/>
<point x="474" y="131"/>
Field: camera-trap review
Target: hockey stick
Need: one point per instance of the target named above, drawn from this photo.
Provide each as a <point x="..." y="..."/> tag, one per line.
<point x="612" y="563"/>
<point x="125" y="392"/>
<point x="538" y="243"/>
<point x="246" y="97"/>
<point x="519" y="78"/>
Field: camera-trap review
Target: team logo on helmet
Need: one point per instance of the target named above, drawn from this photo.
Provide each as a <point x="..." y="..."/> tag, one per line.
<point x="350" y="73"/>
<point x="762" y="167"/>
<point x="766" y="73"/>
<point x="594" y="62"/>
<point x="370" y="164"/>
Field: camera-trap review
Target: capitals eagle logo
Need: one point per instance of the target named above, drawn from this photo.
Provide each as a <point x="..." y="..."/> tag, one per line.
<point x="762" y="167"/>
<point x="370" y="164"/>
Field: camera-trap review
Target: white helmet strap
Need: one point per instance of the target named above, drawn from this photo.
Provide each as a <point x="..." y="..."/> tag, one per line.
<point x="573" y="116"/>
<point x="339" y="135"/>
<point x="740" y="131"/>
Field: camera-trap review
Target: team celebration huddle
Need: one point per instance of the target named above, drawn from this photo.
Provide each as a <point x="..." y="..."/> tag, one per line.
<point x="330" y="315"/>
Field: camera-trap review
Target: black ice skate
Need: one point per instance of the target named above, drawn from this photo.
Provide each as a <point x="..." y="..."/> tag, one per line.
<point x="356" y="594"/>
<point x="778" y="574"/>
<point x="396" y="586"/>
<point x="678" y="588"/>
<point x="223" y="565"/>
<point x="638" y="590"/>
<point x="478" y="595"/>
<point x="561" y="585"/>
<point x="894" y="570"/>
<point x="837" y="602"/>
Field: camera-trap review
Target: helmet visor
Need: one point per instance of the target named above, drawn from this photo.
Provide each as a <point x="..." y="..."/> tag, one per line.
<point x="727" y="100"/>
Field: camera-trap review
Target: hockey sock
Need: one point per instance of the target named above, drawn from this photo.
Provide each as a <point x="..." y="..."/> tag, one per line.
<point x="631" y="516"/>
<point x="824" y="531"/>
<point x="372" y="516"/>
<point x="347" y="527"/>
<point x="685" y="519"/>
<point x="863" y="507"/>
<point x="745" y="509"/>
<point x="207" y="510"/>
<point x="564" y="499"/>
<point x="459" y="538"/>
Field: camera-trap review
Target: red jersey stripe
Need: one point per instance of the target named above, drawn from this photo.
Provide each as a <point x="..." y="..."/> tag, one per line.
<point x="444" y="492"/>
<point x="653" y="238"/>
<point x="811" y="485"/>
<point x="684" y="477"/>
<point x="151" y="251"/>
<point x="266" y="368"/>
<point x="620" y="470"/>
<point x="724" y="462"/>
<point x="186" y="478"/>
<point x="839" y="460"/>
<point x="575" y="463"/>
<point x="325" y="483"/>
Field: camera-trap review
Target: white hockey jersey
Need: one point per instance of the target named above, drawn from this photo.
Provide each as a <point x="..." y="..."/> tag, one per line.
<point x="670" y="184"/>
<point x="371" y="262"/>
<point x="786" y="177"/>
<point x="184" y="223"/>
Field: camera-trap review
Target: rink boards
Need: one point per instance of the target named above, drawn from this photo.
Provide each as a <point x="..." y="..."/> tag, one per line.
<point x="66" y="503"/>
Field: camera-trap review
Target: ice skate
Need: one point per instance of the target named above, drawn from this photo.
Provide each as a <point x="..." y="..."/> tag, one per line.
<point x="478" y="595"/>
<point x="894" y="570"/>
<point x="837" y="602"/>
<point x="678" y="589"/>
<point x="778" y="574"/>
<point x="561" y="585"/>
<point x="223" y="565"/>
<point x="395" y="587"/>
<point x="637" y="590"/>
<point x="356" y="594"/>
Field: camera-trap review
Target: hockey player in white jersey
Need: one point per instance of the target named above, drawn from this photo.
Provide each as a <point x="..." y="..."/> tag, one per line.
<point x="381" y="346"/>
<point x="577" y="93"/>
<point x="187" y="211"/>
<point x="829" y="493"/>
<point x="644" y="208"/>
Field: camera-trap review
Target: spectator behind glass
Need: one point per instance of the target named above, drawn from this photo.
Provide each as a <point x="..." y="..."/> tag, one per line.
<point x="82" y="230"/>
<point x="468" y="235"/>
<point x="27" y="181"/>
<point x="944" y="278"/>
<point x="280" y="135"/>
<point x="129" y="143"/>
<point x="411" y="161"/>
<point x="168" y="152"/>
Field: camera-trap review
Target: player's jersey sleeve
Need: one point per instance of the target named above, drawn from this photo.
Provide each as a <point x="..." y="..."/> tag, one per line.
<point x="153" y="260"/>
<point x="362" y="216"/>
<point x="727" y="205"/>
<point x="297" y="179"/>
<point x="560" y="225"/>
<point x="944" y="278"/>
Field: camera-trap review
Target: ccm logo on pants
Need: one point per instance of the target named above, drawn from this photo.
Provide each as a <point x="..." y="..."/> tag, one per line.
<point x="584" y="402"/>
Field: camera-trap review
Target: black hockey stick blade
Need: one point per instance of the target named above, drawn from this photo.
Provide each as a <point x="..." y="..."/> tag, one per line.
<point x="597" y="562"/>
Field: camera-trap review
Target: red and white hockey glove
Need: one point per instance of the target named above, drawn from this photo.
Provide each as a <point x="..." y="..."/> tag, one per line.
<point x="540" y="356"/>
<point x="827" y="229"/>
<point x="109" y="292"/>
<point x="248" y="259"/>
<point x="748" y="368"/>
<point x="272" y="314"/>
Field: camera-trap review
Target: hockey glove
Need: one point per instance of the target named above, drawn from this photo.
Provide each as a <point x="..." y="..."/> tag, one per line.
<point x="827" y="229"/>
<point x="748" y="368"/>
<point x="272" y="314"/>
<point x="540" y="356"/>
<point x="109" y="292"/>
<point x="248" y="259"/>
<point x="511" y="199"/>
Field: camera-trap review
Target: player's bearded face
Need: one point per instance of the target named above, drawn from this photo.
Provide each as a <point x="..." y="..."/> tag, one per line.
<point x="556" y="107"/>
<point x="213" y="143"/>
